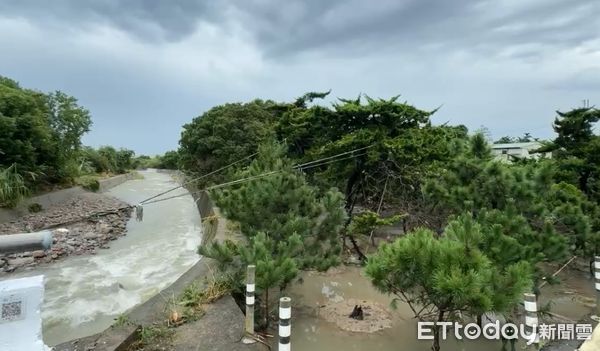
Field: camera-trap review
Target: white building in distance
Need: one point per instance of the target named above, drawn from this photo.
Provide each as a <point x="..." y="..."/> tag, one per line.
<point x="510" y="151"/>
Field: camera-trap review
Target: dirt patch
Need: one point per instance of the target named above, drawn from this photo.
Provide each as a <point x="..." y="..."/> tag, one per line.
<point x="376" y="317"/>
<point x="83" y="235"/>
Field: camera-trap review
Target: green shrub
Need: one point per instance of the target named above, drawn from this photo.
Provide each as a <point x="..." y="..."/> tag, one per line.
<point x="35" y="208"/>
<point x="90" y="183"/>
<point x="12" y="187"/>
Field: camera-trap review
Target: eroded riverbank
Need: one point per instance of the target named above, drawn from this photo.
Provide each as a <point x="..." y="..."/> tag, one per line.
<point x="83" y="234"/>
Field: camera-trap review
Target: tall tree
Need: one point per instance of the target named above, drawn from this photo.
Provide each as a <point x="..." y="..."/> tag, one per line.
<point x="577" y="149"/>
<point x="289" y="225"/>
<point x="40" y="133"/>
<point x="533" y="219"/>
<point x="395" y="142"/>
<point x="69" y="120"/>
<point x="225" y="134"/>
<point x="447" y="278"/>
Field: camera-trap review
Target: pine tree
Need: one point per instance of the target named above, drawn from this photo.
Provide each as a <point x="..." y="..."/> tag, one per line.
<point x="447" y="278"/>
<point x="529" y="217"/>
<point x="577" y="149"/>
<point x="288" y="224"/>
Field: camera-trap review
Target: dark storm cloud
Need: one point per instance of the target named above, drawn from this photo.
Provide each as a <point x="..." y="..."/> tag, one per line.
<point x="148" y="19"/>
<point x="288" y="27"/>
<point x="149" y="66"/>
<point x="407" y="25"/>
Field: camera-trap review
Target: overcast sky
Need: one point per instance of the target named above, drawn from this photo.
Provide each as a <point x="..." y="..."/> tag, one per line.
<point x="146" y="67"/>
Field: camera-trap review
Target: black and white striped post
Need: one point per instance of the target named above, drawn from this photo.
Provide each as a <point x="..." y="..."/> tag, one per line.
<point x="250" y="289"/>
<point x="285" y="325"/>
<point x="597" y="283"/>
<point x="531" y="317"/>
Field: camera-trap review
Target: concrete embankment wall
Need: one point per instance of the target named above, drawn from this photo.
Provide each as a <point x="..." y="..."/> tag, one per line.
<point x="109" y="183"/>
<point x="55" y="197"/>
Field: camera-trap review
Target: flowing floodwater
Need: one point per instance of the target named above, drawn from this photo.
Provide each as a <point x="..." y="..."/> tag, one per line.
<point x="84" y="294"/>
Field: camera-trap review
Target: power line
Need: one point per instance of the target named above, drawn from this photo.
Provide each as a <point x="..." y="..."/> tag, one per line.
<point x="266" y="174"/>
<point x="334" y="156"/>
<point x="302" y="167"/>
<point x="198" y="178"/>
<point x="328" y="162"/>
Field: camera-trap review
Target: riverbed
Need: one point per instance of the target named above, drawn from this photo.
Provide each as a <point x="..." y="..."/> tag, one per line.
<point x="85" y="294"/>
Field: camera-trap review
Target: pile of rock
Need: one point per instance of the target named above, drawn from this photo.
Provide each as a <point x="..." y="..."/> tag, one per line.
<point x="77" y="237"/>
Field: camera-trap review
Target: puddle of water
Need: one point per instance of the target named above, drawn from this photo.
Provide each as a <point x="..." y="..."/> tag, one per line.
<point x="85" y="293"/>
<point x="311" y="332"/>
<point x="574" y="297"/>
<point x="571" y="299"/>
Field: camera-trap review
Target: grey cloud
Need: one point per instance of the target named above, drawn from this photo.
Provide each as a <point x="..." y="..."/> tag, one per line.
<point x="148" y="19"/>
<point x="286" y="28"/>
<point x="556" y="24"/>
<point x="506" y="64"/>
<point x="584" y="80"/>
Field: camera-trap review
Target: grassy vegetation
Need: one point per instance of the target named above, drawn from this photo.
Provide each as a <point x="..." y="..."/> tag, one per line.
<point x="89" y="182"/>
<point x="12" y="187"/>
<point x="153" y="337"/>
<point x="122" y="320"/>
<point x="188" y="307"/>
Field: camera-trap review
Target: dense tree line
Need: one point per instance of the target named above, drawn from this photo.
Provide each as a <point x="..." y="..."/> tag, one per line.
<point x="168" y="160"/>
<point x="477" y="230"/>
<point x="40" y="143"/>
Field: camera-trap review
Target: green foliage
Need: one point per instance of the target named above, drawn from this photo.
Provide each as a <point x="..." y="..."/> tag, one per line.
<point x="448" y="277"/>
<point x="577" y="149"/>
<point x="212" y="289"/>
<point x="26" y="138"/>
<point x="524" y="139"/>
<point x="225" y="134"/>
<point x="288" y="225"/>
<point x="12" y="187"/>
<point x="107" y="159"/>
<point x="532" y="218"/>
<point x="124" y="158"/>
<point x="122" y="320"/>
<point x="34" y="208"/>
<point x="401" y="147"/>
<point x="41" y="133"/>
<point x="170" y="160"/>
<point x="69" y="122"/>
<point x="368" y="221"/>
<point x="88" y="182"/>
<point x="473" y="180"/>
<point x="283" y="204"/>
<point x="277" y="262"/>
<point x="153" y="335"/>
<point x="495" y="222"/>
